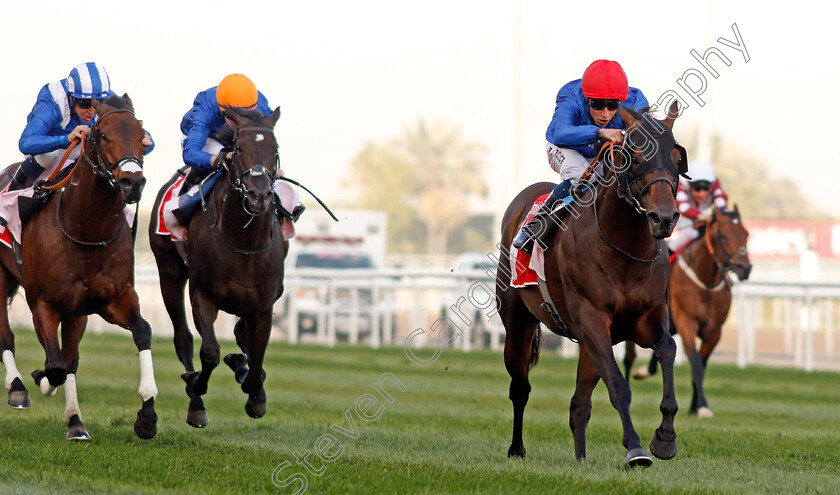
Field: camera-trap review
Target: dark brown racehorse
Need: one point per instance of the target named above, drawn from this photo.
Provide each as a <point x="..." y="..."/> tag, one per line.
<point x="235" y="251"/>
<point x="607" y="274"/>
<point x="78" y="260"/>
<point x="701" y="296"/>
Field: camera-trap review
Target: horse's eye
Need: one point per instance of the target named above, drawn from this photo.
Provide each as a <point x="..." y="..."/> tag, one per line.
<point x="104" y="137"/>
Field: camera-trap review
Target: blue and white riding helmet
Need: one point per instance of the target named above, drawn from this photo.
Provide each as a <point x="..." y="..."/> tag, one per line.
<point x="88" y="80"/>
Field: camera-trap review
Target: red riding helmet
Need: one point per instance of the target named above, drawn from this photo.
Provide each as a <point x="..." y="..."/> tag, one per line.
<point x="604" y="79"/>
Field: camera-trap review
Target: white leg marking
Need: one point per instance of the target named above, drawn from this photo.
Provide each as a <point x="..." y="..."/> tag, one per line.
<point x="148" y="389"/>
<point x="46" y="388"/>
<point x="11" y="368"/>
<point x="71" y="398"/>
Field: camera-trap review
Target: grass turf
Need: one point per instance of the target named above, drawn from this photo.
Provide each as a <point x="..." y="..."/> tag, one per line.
<point x="774" y="430"/>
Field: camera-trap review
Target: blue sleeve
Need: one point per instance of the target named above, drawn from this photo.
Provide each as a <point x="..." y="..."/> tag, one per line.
<point x="197" y="126"/>
<point x="637" y="99"/>
<point x="150" y="148"/>
<point x="564" y="130"/>
<point x="36" y="138"/>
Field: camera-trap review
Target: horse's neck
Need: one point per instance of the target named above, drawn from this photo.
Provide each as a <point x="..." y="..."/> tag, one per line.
<point x="89" y="205"/>
<point x="623" y="225"/>
<point x="703" y="262"/>
<point x="237" y="227"/>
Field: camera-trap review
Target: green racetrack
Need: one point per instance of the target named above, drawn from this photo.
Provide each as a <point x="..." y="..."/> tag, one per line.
<point x="774" y="430"/>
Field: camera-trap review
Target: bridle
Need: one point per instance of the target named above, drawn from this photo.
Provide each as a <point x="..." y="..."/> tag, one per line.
<point x="235" y="180"/>
<point x="128" y="163"/>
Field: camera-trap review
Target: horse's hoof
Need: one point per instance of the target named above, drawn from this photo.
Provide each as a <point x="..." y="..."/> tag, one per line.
<point x="662" y="449"/>
<point x="18" y="395"/>
<point x="516" y="451"/>
<point x="705" y="412"/>
<point x="255" y="410"/>
<point x="46" y="389"/>
<point x="19" y="400"/>
<point x="76" y="430"/>
<point x="640" y="373"/>
<point x="239" y="364"/>
<point x="146" y="423"/>
<point x="197" y="418"/>
<point x="637" y="458"/>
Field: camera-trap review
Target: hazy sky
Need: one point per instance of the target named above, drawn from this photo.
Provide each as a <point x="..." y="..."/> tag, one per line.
<point x="345" y="73"/>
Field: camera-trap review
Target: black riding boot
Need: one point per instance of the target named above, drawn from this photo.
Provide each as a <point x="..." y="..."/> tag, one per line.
<point x="194" y="176"/>
<point x="541" y="227"/>
<point x="26" y="174"/>
<point x="297" y="211"/>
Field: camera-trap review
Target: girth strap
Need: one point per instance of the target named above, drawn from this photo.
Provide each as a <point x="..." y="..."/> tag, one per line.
<point x="548" y="307"/>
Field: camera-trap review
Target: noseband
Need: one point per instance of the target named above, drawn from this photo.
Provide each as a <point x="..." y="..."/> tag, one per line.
<point x="128" y="163"/>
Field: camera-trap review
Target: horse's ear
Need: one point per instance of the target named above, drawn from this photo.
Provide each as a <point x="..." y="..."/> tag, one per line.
<point x="274" y="117"/>
<point x="234" y="116"/>
<point x="128" y="101"/>
<point x="673" y="113"/>
<point x="97" y="105"/>
<point x="735" y="209"/>
<point x="628" y="117"/>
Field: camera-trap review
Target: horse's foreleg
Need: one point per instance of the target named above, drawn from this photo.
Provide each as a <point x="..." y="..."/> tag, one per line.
<point x="688" y="333"/>
<point x="260" y="330"/>
<point x="204" y="315"/>
<point x="581" y="406"/>
<point x="239" y="362"/>
<point x="46" y="319"/>
<point x="596" y="339"/>
<point x="72" y="330"/>
<point x="664" y="442"/>
<point x="706" y="347"/>
<point x="125" y="312"/>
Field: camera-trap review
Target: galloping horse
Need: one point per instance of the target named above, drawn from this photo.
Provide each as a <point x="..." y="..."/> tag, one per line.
<point x="235" y="252"/>
<point x="607" y="275"/>
<point x="701" y="296"/>
<point x="78" y="260"/>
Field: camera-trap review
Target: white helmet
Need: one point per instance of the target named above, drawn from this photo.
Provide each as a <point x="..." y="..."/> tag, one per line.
<point x="701" y="171"/>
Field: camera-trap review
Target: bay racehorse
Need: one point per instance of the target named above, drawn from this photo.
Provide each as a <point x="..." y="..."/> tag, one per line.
<point x="234" y="263"/>
<point x="607" y="276"/>
<point x="78" y="260"/>
<point x="701" y="296"/>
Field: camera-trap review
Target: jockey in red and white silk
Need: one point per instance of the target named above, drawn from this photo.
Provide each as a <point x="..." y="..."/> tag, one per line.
<point x="696" y="198"/>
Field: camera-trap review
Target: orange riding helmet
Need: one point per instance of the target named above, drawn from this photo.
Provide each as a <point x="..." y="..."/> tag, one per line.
<point x="236" y="91"/>
<point x="604" y="79"/>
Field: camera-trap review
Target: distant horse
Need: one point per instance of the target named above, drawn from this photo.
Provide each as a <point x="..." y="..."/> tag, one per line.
<point x="701" y="296"/>
<point x="607" y="275"/>
<point x="235" y="251"/>
<point x="78" y="260"/>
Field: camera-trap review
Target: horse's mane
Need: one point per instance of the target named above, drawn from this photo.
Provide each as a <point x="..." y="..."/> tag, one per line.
<point x="226" y="132"/>
<point x="116" y="101"/>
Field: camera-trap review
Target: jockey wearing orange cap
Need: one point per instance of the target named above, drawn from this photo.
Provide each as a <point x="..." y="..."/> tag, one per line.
<point x="586" y="112"/>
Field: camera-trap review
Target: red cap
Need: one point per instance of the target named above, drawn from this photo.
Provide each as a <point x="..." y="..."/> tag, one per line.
<point x="604" y="79"/>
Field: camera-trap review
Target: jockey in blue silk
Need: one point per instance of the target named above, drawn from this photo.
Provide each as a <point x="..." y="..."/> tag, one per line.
<point x="61" y="114"/>
<point x="201" y="151"/>
<point x="586" y="113"/>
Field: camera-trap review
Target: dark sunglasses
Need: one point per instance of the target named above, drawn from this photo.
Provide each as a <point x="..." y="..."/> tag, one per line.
<point x="700" y="187"/>
<point x="598" y="104"/>
<point x="82" y="103"/>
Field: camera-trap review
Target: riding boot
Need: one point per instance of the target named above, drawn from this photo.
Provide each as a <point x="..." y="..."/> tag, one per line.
<point x="540" y="226"/>
<point x="194" y="176"/>
<point x="26" y="174"/>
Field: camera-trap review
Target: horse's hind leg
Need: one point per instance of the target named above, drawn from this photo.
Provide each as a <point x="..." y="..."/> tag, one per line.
<point x="72" y="330"/>
<point x="629" y="358"/>
<point x="18" y="395"/>
<point x="125" y="312"/>
<point x="581" y="405"/>
<point x="522" y="347"/>
<point x="688" y="332"/>
<point x="252" y="384"/>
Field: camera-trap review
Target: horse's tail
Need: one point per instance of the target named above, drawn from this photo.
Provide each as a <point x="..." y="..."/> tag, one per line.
<point x="13" y="288"/>
<point x="536" y="347"/>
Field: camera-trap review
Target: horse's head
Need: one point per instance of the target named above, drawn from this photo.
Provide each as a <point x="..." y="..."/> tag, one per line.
<point x="648" y="167"/>
<point x="117" y="138"/>
<point x="730" y="242"/>
<point x="253" y="169"/>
